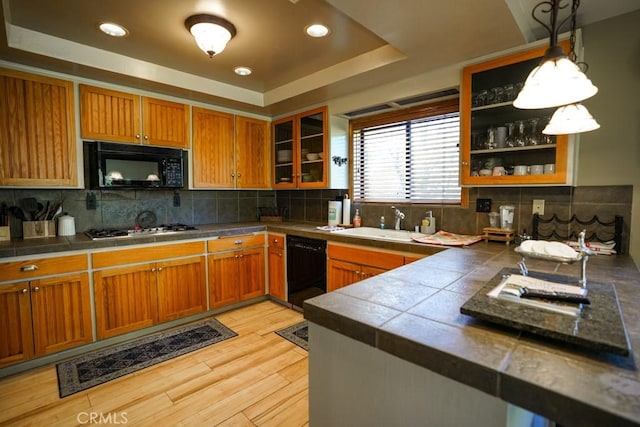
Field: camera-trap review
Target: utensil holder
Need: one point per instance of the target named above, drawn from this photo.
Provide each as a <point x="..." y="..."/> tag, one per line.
<point x="38" y="229"/>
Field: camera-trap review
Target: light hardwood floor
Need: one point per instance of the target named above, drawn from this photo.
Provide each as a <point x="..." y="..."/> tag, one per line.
<point x="256" y="378"/>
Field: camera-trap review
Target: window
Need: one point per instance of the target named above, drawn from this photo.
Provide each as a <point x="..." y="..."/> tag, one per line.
<point x="411" y="156"/>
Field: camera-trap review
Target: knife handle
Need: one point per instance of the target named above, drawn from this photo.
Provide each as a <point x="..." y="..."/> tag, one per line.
<point x="554" y="296"/>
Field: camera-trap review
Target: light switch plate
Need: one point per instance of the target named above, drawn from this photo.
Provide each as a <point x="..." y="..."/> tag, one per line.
<point x="483" y="205"/>
<point x="538" y="206"/>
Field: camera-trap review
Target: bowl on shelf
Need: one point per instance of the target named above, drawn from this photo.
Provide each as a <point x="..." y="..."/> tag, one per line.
<point x="285" y="179"/>
<point x="313" y="156"/>
<point x="321" y="154"/>
<point x="284" y="156"/>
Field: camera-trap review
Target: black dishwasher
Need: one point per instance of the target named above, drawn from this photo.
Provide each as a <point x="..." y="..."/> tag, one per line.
<point x="306" y="268"/>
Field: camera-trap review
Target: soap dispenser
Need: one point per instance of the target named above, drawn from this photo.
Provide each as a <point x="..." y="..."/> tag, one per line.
<point x="357" y="221"/>
<point x="428" y="224"/>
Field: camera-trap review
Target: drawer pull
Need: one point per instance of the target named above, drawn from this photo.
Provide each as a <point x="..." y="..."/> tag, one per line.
<point x="36" y="289"/>
<point x="153" y="270"/>
<point x="28" y="268"/>
<point x="24" y="291"/>
<point x="238" y="242"/>
<point x="275" y="240"/>
<point x="160" y="268"/>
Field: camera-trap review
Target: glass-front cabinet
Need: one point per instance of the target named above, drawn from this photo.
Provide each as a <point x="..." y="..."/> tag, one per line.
<point x="503" y="145"/>
<point x="300" y="150"/>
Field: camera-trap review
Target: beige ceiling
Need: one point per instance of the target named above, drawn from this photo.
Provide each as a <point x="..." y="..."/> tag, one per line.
<point x="371" y="43"/>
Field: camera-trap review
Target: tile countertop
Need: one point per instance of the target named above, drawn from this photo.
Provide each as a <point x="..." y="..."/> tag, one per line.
<point x="413" y="312"/>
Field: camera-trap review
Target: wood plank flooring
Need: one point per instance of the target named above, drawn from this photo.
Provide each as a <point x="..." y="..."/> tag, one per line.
<point x="255" y="379"/>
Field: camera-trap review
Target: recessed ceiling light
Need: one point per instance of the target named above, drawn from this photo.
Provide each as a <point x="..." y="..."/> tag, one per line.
<point x="242" y="71"/>
<point x="317" y="30"/>
<point x="113" y="29"/>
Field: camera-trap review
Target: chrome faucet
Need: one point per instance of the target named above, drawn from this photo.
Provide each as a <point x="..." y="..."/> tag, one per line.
<point x="399" y="216"/>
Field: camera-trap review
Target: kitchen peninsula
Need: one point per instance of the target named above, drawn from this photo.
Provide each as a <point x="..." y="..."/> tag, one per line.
<point x="395" y="350"/>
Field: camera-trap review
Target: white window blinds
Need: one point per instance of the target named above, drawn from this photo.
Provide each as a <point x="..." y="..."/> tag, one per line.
<point x="413" y="160"/>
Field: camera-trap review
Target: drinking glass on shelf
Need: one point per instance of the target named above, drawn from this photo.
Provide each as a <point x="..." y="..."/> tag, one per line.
<point x="510" y="141"/>
<point x="547" y="139"/>
<point x="491" y="138"/>
<point x="520" y="135"/>
<point x="534" y="136"/>
<point x="498" y="94"/>
<point x="482" y="97"/>
<point x="509" y="92"/>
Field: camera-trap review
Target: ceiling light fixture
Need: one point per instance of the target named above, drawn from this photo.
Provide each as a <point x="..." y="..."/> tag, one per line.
<point x="316" y="30"/>
<point x="242" y="71"/>
<point x="212" y="33"/>
<point x="557" y="80"/>
<point x="113" y="29"/>
<point x="572" y="118"/>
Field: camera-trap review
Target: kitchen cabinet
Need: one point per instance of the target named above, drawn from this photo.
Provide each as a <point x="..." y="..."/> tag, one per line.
<point x="496" y="134"/>
<point x="47" y="312"/>
<point x="37" y="131"/>
<point x="276" y="266"/>
<point x="349" y="264"/>
<point x="131" y="297"/>
<point x="111" y="115"/>
<point x="230" y="151"/>
<point x="300" y="150"/>
<point x="236" y="269"/>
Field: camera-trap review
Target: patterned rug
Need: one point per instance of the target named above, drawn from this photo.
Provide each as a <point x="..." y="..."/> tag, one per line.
<point x="101" y="366"/>
<point x="297" y="334"/>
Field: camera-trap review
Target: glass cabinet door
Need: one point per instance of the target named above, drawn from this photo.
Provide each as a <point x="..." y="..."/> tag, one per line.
<point x="283" y="135"/>
<point x="312" y="146"/>
<point x="503" y="145"/>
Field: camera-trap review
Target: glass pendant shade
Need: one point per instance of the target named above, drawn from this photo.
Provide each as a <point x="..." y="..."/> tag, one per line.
<point x="556" y="81"/>
<point x="211" y="32"/>
<point x="568" y="119"/>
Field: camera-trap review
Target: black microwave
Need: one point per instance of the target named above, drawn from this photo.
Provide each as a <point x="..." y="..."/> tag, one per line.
<point x="111" y="165"/>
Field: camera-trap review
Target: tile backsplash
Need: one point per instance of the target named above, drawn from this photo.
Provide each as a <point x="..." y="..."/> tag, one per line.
<point x="120" y="208"/>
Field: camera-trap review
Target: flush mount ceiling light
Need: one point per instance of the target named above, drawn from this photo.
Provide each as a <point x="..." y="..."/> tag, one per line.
<point x="242" y="71"/>
<point x="113" y="29"/>
<point x="316" y="30"/>
<point x="557" y="80"/>
<point x="212" y="33"/>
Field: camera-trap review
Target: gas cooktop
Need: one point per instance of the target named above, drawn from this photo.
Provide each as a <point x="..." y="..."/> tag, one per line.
<point x="105" y="233"/>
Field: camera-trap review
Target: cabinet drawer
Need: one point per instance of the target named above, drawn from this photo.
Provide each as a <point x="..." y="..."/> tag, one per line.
<point x="130" y="256"/>
<point x="42" y="267"/>
<point x="276" y="240"/>
<point x="368" y="257"/>
<point x="235" y="242"/>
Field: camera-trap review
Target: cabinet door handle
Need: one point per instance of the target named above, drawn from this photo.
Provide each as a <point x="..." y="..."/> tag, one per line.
<point x="280" y="254"/>
<point x="36" y="289"/>
<point x="275" y="240"/>
<point x="146" y="137"/>
<point x="465" y="163"/>
<point x="153" y="270"/>
<point x="160" y="268"/>
<point x="239" y="174"/>
<point x="241" y="256"/>
<point x="24" y="291"/>
<point x="27" y="268"/>
<point x="137" y="136"/>
<point x="233" y="175"/>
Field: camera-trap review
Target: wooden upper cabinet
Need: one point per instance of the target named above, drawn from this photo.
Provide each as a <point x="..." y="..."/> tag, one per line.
<point x="253" y="162"/>
<point x="213" y="149"/>
<point x="230" y="151"/>
<point x="165" y="123"/>
<point x="111" y="115"/>
<point x="37" y="130"/>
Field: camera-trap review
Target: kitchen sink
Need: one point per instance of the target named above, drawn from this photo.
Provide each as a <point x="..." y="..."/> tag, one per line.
<point x="380" y="234"/>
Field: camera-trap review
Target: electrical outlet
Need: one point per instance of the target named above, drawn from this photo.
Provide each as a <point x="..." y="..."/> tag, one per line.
<point x="538" y="207"/>
<point x="483" y="205"/>
<point x="176" y="200"/>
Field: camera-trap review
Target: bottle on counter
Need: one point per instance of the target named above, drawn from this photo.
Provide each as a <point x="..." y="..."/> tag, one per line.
<point x="382" y="222"/>
<point x="357" y="221"/>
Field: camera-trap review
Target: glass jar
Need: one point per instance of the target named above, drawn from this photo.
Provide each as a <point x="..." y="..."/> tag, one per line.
<point x="520" y="134"/>
<point x="510" y="141"/>
<point x="534" y="136"/>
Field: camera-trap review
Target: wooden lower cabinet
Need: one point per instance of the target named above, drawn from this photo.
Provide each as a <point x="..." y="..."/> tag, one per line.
<point x="276" y="273"/>
<point x="44" y="316"/>
<point x="236" y="276"/>
<point x="131" y="298"/>
<point x="349" y="264"/>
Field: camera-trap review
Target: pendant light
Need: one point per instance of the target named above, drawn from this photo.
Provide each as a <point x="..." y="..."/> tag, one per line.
<point x="212" y="33"/>
<point x="572" y="118"/>
<point x="557" y="80"/>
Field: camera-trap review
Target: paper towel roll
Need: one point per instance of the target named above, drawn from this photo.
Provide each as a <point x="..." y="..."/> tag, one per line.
<point x="346" y="211"/>
<point x="335" y="212"/>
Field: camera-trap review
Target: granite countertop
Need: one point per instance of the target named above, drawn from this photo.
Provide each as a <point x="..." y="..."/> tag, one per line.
<point x="413" y="312"/>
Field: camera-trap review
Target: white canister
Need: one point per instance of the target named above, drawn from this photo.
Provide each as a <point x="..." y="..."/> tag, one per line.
<point x="335" y="212"/>
<point x="506" y="217"/>
<point x="66" y="225"/>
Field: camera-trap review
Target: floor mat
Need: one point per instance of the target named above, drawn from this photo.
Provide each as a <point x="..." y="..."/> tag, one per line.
<point x="297" y="334"/>
<point x="100" y="366"/>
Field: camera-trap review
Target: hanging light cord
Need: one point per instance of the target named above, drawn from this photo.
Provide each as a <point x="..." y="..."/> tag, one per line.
<point x="584" y="67"/>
